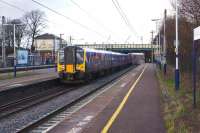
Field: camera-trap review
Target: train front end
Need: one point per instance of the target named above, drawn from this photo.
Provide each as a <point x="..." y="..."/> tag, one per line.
<point x="71" y="64"/>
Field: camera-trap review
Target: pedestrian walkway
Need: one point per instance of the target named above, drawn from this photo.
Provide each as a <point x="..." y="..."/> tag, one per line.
<point x="141" y="112"/>
<point x="109" y="113"/>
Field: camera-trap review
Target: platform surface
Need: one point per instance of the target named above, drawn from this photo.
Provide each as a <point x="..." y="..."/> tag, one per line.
<point x="29" y="77"/>
<point x="141" y="113"/>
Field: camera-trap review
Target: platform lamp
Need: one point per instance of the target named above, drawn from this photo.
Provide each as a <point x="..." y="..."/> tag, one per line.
<point x="61" y="45"/>
<point x="158" y="40"/>
<point x="14" y="49"/>
<point x="164" y="45"/>
<point x="177" y="73"/>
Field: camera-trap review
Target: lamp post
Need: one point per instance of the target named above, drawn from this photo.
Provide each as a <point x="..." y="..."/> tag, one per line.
<point x="158" y="39"/>
<point x="177" y="74"/>
<point x="3" y="42"/>
<point x="61" y="45"/>
<point x="14" y="49"/>
<point x="152" y="49"/>
<point x="164" y="43"/>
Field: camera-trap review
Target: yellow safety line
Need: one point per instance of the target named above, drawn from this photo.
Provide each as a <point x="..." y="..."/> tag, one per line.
<point x="119" y="108"/>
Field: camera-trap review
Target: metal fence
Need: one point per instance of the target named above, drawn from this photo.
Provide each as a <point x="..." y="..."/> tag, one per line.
<point x="33" y="60"/>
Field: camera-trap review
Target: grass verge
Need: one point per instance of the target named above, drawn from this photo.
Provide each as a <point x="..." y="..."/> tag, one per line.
<point x="178" y="113"/>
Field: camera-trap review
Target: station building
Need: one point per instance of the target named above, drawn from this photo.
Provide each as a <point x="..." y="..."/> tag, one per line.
<point x="47" y="46"/>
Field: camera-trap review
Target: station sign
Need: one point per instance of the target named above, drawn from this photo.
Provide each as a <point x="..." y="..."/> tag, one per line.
<point x="197" y="33"/>
<point x="22" y="57"/>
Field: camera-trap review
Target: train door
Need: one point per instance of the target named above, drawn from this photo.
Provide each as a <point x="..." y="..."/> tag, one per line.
<point x="69" y="59"/>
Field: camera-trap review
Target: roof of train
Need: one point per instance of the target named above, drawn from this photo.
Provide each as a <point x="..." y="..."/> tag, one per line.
<point x="136" y="53"/>
<point x="99" y="51"/>
<point x="103" y="51"/>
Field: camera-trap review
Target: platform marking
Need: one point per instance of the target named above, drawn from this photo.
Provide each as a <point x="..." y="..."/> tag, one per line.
<point x="120" y="107"/>
<point x="15" y="85"/>
<point x="81" y="123"/>
<point x="123" y="85"/>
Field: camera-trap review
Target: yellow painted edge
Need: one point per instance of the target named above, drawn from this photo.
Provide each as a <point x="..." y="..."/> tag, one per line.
<point x="119" y="108"/>
<point x="85" y="56"/>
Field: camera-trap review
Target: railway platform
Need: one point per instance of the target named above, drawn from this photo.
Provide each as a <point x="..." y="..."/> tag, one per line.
<point x="26" y="78"/>
<point x="129" y="105"/>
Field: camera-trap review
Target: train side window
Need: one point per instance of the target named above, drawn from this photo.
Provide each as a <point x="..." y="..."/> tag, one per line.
<point x="88" y="57"/>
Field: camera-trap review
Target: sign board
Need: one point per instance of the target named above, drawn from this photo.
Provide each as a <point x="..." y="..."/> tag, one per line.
<point x="197" y="33"/>
<point x="43" y="45"/>
<point x="22" y="57"/>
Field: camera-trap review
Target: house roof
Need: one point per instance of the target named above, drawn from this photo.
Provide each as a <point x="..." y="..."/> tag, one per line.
<point x="47" y="36"/>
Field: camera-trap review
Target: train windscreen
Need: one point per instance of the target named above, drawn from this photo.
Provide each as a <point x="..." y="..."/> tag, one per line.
<point x="69" y="53"/>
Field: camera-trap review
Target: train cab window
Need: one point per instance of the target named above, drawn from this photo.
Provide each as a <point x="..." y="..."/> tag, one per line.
<point x="79" y="56"/>
<point x="69" y="53"/>
<point x="61" y="57"/>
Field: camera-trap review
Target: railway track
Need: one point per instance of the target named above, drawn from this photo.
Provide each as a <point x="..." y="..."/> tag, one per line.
<point x="53" y="118"/>
<point x="27" y="102"/>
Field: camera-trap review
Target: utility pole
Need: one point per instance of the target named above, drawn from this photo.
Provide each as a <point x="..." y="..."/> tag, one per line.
<point x="142" y="39"/>
<point x="160" y="48"/>
<point x="70" y="40"/>
<point x="164" y="43"/>
<point x="15" y="61"/>
<point x="177" y="75"/>
<point x="152" y="50"/>
<point x="157" y="37"/>
<point x="126" y="41"/>
<point x="14" y="49"/>
<point x="61" y="46"/>
<point x="3" y="43"/>
<point x="108" y="39"/>
<point x="54" y="52"/>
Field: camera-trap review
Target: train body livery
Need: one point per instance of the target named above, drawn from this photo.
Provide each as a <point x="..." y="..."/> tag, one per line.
<point x="137" y="58"/>
<point x="75" y="63"/>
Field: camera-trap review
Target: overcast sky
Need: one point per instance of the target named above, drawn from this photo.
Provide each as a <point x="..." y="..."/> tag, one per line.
<point x="104" y="21"/>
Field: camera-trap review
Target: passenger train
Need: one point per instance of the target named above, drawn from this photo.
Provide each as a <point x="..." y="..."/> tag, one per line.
<point x="82" y="64"/>
<point x="137" y="58"/>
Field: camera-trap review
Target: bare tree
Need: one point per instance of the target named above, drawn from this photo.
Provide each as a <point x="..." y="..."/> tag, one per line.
<point x="189" y="9"/>
<point x="19" y="32"/>
<point x="185" y="39"/>
<point x="35" y="21"/>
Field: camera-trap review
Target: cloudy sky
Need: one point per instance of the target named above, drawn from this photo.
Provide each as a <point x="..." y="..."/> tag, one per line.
<point x="103" y="22"/>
